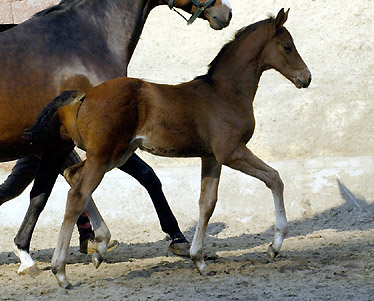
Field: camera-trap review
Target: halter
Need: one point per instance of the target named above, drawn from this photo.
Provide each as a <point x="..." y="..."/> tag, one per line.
<point x="201" y="6"/>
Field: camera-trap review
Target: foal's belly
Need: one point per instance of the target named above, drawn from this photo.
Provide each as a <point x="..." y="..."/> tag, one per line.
<point x="174" y="148"/>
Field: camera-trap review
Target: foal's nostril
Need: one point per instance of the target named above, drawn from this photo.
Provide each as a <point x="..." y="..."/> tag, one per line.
<point x="230" y="16"/>
<point x="309" y="81"/>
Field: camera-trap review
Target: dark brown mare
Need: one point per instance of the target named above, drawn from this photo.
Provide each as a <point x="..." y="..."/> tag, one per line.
<point x="74" y="45"/>
<point x="210" y="117"/>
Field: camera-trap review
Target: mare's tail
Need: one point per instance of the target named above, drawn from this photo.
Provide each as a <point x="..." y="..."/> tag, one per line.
<point x="47" y="125"/>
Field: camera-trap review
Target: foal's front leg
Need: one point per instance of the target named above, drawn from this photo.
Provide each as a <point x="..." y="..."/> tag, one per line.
<point x="244" y="160"/>
<point x="88" y="178"/>
<point x="210" y="174"/>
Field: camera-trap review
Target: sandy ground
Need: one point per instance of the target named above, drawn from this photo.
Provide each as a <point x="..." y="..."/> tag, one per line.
<point x="326" y="257"/>
<point x="319" y="139"/>
<point x="328" y="254"/>
<point x="325" y="264"/>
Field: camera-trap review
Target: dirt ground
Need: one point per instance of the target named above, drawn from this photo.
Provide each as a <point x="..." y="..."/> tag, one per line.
<point x="328" y="254"/>
<point x="326" y="257"/>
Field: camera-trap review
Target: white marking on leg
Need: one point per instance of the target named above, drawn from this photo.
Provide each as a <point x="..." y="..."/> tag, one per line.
<point x="25" y="258"/>
<point x="196" y="250"/>
<point x="102" y="236"/>
<point x="197" y="242"/>
<point x="278" y="240"/>
<point x="102" y="232"/>
<point x="281" y="227"/>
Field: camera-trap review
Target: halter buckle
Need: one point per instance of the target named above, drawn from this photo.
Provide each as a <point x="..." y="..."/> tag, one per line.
<point x="171" y="4"/>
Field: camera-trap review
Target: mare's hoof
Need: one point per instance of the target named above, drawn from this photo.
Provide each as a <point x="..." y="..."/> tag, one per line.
<point x="180" y="247"/>
<point x="32" y="271"/>
<point x="271" y="253"/>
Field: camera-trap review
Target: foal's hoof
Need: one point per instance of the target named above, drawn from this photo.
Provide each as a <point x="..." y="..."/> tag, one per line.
<point x="201" y="267"/>
<point x="69" y="286"/>
<point x="271" y="253"/>
<point x="97" y="259"/>
<point x="61" y="279"/>
<point x="32" y="271"/>
<point x="89" y="246"/>
<point x="180" y="247"/>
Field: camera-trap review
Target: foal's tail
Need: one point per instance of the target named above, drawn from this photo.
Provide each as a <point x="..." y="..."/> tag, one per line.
<point x="47" y="125"/>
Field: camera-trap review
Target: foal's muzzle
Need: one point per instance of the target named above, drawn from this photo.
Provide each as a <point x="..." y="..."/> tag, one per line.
<point x="303" y="79"/>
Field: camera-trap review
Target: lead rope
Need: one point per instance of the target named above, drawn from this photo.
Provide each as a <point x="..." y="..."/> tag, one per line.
<point x="171" y="6"/>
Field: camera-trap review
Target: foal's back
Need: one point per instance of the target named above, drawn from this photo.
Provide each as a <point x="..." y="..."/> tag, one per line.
<point x="126" y="113"/>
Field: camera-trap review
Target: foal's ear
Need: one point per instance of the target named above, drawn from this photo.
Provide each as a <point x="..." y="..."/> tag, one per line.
<point x="281" y="18"/>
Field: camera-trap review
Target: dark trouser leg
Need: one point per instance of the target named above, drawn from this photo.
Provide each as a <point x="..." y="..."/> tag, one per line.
<point x="145" y="175"/>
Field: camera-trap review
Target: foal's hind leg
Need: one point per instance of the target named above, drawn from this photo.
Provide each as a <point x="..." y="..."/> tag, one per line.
<point x="210" y="174"/>
<point x="102" y="233"/>
<point x="244" y="160"/>
<point x="45" y="178"/>
<point x="87" y="179"/>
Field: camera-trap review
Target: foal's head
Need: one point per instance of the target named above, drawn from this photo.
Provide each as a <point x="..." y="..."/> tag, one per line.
<point x="280" y="53"/>
<point x="217" y="12"/>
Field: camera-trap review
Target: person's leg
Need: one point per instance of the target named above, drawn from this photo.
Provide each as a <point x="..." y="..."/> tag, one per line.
<point x="145" y="175"/>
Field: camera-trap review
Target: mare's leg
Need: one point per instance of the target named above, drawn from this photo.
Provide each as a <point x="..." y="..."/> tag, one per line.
<point x="86" y="180"/>
<point x="244" y="160"/>
<point x="145" y="175"/>
<point x="48" y="170"/>
<point x="21" y="176"/>
<point x="210" y="174"/>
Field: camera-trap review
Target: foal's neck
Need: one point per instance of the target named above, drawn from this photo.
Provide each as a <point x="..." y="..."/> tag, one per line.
<point x="240" y="67"/>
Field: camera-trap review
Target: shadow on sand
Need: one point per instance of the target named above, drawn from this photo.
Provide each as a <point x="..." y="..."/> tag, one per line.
<point x="353" y="214"/>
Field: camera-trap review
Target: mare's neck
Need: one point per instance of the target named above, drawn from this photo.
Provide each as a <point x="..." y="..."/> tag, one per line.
<point x="122" y="25"/>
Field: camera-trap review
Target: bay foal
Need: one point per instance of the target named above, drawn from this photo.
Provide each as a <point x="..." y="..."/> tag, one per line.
<point x="76" y="44"/>
<point x="210" y="117"/>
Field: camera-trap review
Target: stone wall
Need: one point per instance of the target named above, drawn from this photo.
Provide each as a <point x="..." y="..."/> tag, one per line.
<point x="17" y="11"/>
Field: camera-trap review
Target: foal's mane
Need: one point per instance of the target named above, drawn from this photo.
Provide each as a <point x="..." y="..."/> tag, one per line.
<point x="245" y="30"/>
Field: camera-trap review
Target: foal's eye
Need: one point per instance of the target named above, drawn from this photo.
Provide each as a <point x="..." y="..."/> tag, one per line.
<point x="287" y="48"/>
